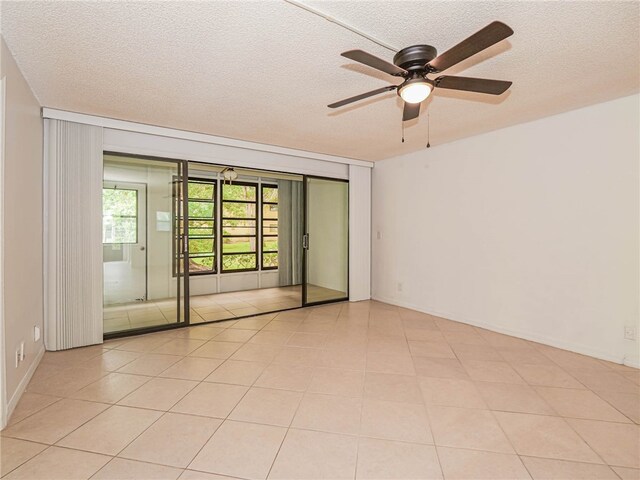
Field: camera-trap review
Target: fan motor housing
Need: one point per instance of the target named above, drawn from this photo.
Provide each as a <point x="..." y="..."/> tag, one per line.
<point x="415" y="57"/>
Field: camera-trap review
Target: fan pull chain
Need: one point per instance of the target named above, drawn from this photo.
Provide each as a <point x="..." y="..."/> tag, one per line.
<point x="402" y="130"/>
<point x="428" y="129"/>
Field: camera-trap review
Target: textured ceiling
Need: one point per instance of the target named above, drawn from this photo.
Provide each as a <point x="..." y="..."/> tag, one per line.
<point x="264" y="71"/>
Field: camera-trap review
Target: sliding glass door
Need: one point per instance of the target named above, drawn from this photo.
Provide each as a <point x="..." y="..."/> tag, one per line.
<point x="143" y="244"/>
<point x="326" y="240"/>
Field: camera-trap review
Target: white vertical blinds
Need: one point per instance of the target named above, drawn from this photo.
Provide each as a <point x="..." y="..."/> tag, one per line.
<point x="74" y="242"/>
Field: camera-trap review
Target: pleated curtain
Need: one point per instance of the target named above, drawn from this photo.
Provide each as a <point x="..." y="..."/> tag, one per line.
<point x="290" y="231"/>
<point x="73" y="206"/>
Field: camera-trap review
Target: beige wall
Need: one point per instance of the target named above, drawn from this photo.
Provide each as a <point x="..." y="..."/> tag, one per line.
<point x="22" y="200"/>
<point x="530" y="230"/>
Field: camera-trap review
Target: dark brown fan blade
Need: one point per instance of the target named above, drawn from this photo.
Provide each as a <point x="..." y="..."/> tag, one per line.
<point x="489" y="35"/>
<point x="362" y="96"/>
<point x="411" y="111"/>
<point x="373" y="61"/>
<point x="480" y="85"/>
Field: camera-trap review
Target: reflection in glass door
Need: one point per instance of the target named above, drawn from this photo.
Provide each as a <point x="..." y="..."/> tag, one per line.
<point x="326" y="241"/>
<point x="143" y="258"/>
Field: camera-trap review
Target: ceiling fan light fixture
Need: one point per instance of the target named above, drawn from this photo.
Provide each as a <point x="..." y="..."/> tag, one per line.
<point x="415" y="90"/>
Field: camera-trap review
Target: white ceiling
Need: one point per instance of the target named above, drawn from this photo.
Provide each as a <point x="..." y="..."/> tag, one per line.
<point x="264" y="71"/>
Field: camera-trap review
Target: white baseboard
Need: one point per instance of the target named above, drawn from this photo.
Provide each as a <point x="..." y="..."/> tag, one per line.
<point x="534" y="337"/>
<point x="22" y="386"/>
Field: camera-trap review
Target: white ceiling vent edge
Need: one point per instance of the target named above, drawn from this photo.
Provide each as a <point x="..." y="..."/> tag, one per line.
<point x="116" y="124"/>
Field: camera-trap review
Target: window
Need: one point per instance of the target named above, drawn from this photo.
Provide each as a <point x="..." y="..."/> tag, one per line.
<point x="239" y="227"/>
<point x="202" y="225"/>
<point x="119" y="215"/>
<point x="269" y="227"/>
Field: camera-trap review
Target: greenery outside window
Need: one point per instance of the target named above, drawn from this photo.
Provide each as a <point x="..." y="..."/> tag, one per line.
<point x="202" y="226"/>
<point x="239" y="227"/>
<point x="269" y="227"/>
<point x="119" y="216"/>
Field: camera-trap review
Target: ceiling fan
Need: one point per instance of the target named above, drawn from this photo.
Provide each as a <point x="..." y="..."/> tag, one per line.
<point x="414" y="63"/>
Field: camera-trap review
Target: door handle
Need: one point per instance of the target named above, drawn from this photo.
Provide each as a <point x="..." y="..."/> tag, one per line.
<point x="305" y="241"/>
<point x="142" y="248"/>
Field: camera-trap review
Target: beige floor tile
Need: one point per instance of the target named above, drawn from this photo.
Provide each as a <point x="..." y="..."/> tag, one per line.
<point x="286" y="377"/>
<point x="405" y="422"/>
<point x="617" y="443"/>
<point x="253" y="323"/>
<point x="299" y="356"/>
<point x="111" y="388"/>
<point x="546" y="375"/>
<point x="467" y="428"/>
<point x="391" y="387"/>
<point x="350" y="359"/>
<point x="542" y="436"/>
<point x="67" y="381"/>
<point x="524" y="357"/>
<point x="14" y="452"/>
<point x="114" y="359"/>
<point x="211" y="400"/>
<point x="329" y="413"/>
<point x="450" y="392"/>
<point x="55" y="421"/>
<point x="110" y="431"/>
<point x="257" y="353"/>
<point x="29" y="404"/>
<point x="237" y="372"/>
<point x="627" y="473"/>
<point x="270" y="338"/>
<point x="439" y="367"/>
<point x="238" y="449"/>
<point x="195" y="475"/>
<point x="57" y="463"/>
<point x="192" y="368"/>
<point x="315" y="455"/>
<point x="337" y="381"/>
<point x="173" y="440"/>
<point x="122" y="469"/>
<point x="200" y="332"/>
<point x="424" y="335"/>
<point x="216" y="349"/>
<point x="605" y="381"/>
<point x="548" y="469"/>
<point x="510" y="397"/>
<point x="144" y="343"/>
<point x="235" y="335"/>
<point x="580" y="404"/>
<point x="478" y="465"/>
<point x="626" y="403"/>
<point x="465" y="351"/>
<point x="307" y="340"/>
<point x="179" y="346"/>
<point x="386" y="459"/>
<point x="486" y="371"/>
<point x="400" y="364"/>
<point x="387" y="344"/>
<point x="267" y="406"/>
<point x="158" y="394"/>
<point x="151" y="364"/>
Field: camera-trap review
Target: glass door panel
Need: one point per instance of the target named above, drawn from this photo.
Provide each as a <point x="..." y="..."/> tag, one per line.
<point x="142" y="244"/>
<point x="326" y="241"/>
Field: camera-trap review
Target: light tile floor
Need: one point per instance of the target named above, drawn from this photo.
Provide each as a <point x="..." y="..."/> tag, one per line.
<point x="353" y="390"/>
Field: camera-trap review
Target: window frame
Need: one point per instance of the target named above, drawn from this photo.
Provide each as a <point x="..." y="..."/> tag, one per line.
<point x="256" y="219"/>
<point x="262" y="234"/>
<point x="214" y="218"/>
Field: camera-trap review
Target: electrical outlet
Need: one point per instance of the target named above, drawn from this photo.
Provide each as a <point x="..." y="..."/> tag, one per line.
<point x="630" y="333"/>
<point x="36" y="333"/>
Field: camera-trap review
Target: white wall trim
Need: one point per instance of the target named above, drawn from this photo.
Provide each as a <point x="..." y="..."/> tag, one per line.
<point x="194" y="136"/>
<point x="3" y="364"/>
<point x="22" y="386"/>
<point x="572" y="347"/>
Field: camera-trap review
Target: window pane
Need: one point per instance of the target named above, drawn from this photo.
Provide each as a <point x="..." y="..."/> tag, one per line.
<point x="201" y="264"/>
<point x="270" y="194"/>
<point x="239" y="210"/>
<point x="238" y="244"/>
<point x="269" y="211"/>
<point x="201" y="209"/>
<point x="239" y="192"/>
<point x="270" y="260"/>
<point x="270" y="227"/>
<point x="203" y="191"/>
<point x="201" y="227"/>
<point x="270" y="244"/>
<point x="238" y="262"/>
<point x="119" y="216"/>
<point x="239" y="227"/>
<point x="200" y="245"/>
